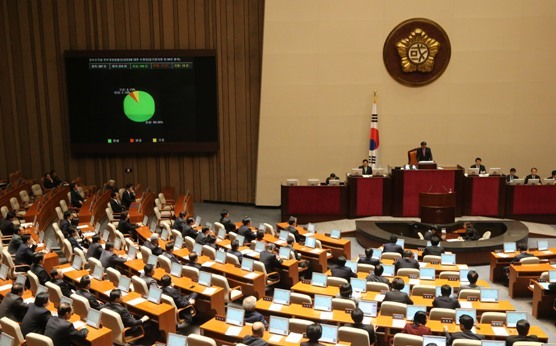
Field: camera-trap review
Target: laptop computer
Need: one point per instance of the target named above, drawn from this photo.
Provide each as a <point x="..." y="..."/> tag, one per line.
<point x="358" y="285"/>
<point x="93" y="318"/>
<point x="322" y="303"/>
<point x="552" y="276"/>
<point x="176" y="340"/>
<point x="281" y="296"/>
<point x="470" y="312"/>
<point x="412" y="310"/>
<point x="40" y="289"/>
<point x="433" y="340"/>
<point x="284" y="253"/>
<point x="221" y="233"/>
<point x="284" y="235"/>
<point x="247" y="264"/>
<point x="335" y="234"/>
<point x="176" y="269"/>
<point x="319" y="279"/>
<point x="220" y="257"/>
<point x="240" y="239"/>
<point x="510" y="247"/>
<point x="4" y="269"/>
<point x="369" y="307"/>
<point x="155" y="294"/>
<point x="329" y="334"/>
<point x="489" y="295"/>
<point x="352" y="265"/>
<point x="512" y="317"/>
<point x="279" y="325"/>
<point x="448" y="259"/>
<point x="259" y="246"/>
<point x="197" y="220"/>
<point x="117" y="244"/>
<point x="235" y="316"/>
<point x="542" y="245"/>
<point x="20" y="279"/>
<point x="124" y="283"/>
<point x="205" y="278"/>
<point x="105" y="235"/>
<point x="427" y="273"/>
<point x="463" y="275"/>
<point x="198" y="248"/>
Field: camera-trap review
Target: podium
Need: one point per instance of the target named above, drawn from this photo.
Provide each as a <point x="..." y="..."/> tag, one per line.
<point x="437" y="208"/>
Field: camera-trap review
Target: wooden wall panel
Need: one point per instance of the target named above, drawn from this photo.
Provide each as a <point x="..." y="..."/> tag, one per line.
<point x="34" y="135"/>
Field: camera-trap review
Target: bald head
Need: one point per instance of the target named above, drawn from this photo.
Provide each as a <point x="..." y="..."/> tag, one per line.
<point x="258" y="329"/>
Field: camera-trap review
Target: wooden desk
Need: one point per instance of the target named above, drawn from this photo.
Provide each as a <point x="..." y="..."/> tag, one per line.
<point x="5" y="196"/>
<point x="531" y="203"/>
<point x="97" y="337"/>
<point x="318" y="257"/>
<point x="498" y="261"/>
<point x="520" y="276"/>
<point x="338" y="247"/>
<point x="138" y="210"/>
<point x="369" y="196"/>
<point x="314" y="203"/>
<point x="543" y="301"/>
<point x="484" y="196"/>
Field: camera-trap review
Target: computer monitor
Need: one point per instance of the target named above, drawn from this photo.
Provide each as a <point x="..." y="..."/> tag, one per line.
<point x="292" y="182"/>
<point x="279" y="325"/>
<point x="429" y="243"/>
<point x="41" y="237"/>
<point x="284" y="253"/>
<point x="240" y="239"/>
<point x="284" y="235"/>
<point x="489" y="295"/>
<point x="235" y="316"/>
<point x="220" y="257"/>
<point x="105" y="235"/>
<point x="176" y="269"/>
<point x="198" y="248"/>
<point x="155" y="294"/>
<point x="533" y="182"/>
<point x="319" y="279"/>
<point x="470" y="312"/>
<point x="356" y="172"/>
<point x="98" y="272"/>
<point x="41" y="288"/>
<point x="412" y="309"/>
<point x="262" y="227"/>
<point x="205" y="278"/>
<point x="310" y="242"/>
<point x="153" y="259"/>
<point x="552" y="276"/>
<point x="221" y="233"/>
<point x="176" y="340"/>
<point x="335" y="234"/>
<point x="66" y="300"/>
<point x="197" y="220"/>
<point x="164" y="234"/>
<point x="49" y="244"/>
<point x="247" y="264"/>
<point x="377" y="253"/>
<point x="209" y="225"/>
<point x="542" y="245"/>
<point x="472" y="171"/>
<point x="510" y="247"/>
<point x="448" y="259"/>
<point x="93" y="318"/>
<point x="433" y="340"/>
<point x="4" y="269"/>
<point x="548" y="181"/>
<point x="178" y="243"/>
<point x="77" y="263"/>
<point x="389" y="270"/>
<point x="378" y="172"/>
<point x="463" y="275"/>
<point x="493" y="343"/>
<point x="97" y="228"/>
<point x="405" y="289"/>
<point x="313" y="182"/>
<point x="281" y="296"/>
<point x="438" y="292"/>
<point x="352" y="265"/>
<point x="513" y="316"/>
<point x="322" y="303"/>
<point x="6" y="340"/>
<point x="117" y="244"/>
<point x="131" y="253"/>
<point x="329" y="334"/>
<point x="494" y="171"/>
<point x="517" y="182"/>
<point x="259" y="246"/>
<point x="333" y="182"/>
<point x="358" y="285"/>
<point x="145" y="220"/>
<point x="369" y="307"/>
<point x="401" y="242"/>
<point x="311" y="228"/>
<point x="20" y="279"/>
<point x="427" y="273"/>
<point x="124" y="283"/>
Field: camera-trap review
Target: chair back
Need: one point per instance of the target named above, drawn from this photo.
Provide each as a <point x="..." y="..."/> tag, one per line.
<point x="189" y="243"/>
<point x="200" y="340"/>
<point x="218" y="226"/>
<point x="165" y="263"/>
<point x="268" y="229"/>
<point x="119" y="235"/>
<point x="145" y="253"/>
<point x="209" y="252"/>
<point x="24" y="196"/>
<point x="139" y="285"/>
<point x="488" y="317"/>
<point x="300" y="298"/>
<point x="438" y="314"/>
<point x="365" y="268"/>
<point x="377" y="286"/>
<point x="93" y="262"/>
<point x="13" y="329"/>
<point x="113" y="276"/>
<point x="466" y="342"/>
<point x="34" y="282"/>
<point x="355" y="336"/>
<point x="168" y="300"/>
<point x="463" y="294"/>
<point x="113" y="321"/>
<point x="231" y="294"/>
<point x="528" y="343"/>
<point x="298" y="325"/>
<point x="34" y="339"/>
<point x="390" y="308"/>
<point x="342" y="304"/>
<point x="391" y="255"/>
<point x="529" y="260"/>
<point x="176" y="234"/>
<point x="412" y="156"/>
<point x="420" y="235"/>
<point x="408" y="272"/>
<point x="487" y="235"/>
<point x="448" y="274"/>
<point x="230" y="258"/>
<point x="67" y="250"/>
<point x="81" y="305"/>
<point x="432" y="258"/>
<point x="14" y="203"/>
<point x="63" y="205"/>
<point x="336" y="282"/>
<point x="232" y="236"/>
<point x="419" y="290"/>
<point x="54" y="293"/>
<point x="8" y="261"/>
<point x="78" y="252"/>
<point x="401" y="339"/>
<point x="4" y="211"/>
<point x="190" y="272"/>
<point x="59" y="213"/>
<point x="36" y="190"/>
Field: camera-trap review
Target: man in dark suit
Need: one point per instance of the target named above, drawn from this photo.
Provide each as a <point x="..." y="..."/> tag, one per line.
<point x="65" y="224"/>
<point x="61" y="331"/>
<point x="202" y="236"/>
<point x="313" y="333"/>
<point x="152" y="244"/>
<point x="522" y="327"/>
<point x="430" y="233"/>
<point x="270" y="259"/>
<point x="38" y="269"/>
<point x="128" y="196"/>
<point x="395" y="295"/>
<point x="193" y="261"/>
<point x="127" y="227"/>
<point x="445" y="301"/>
<point x="340" y="270"/>
<point x="180" y="300"/>
<point x="522" y="247"/>
<point x="85" y="285"/>
<point x="234" y="250"/>
<point x="407" y="261"/>
<point x="225" y="220"/>
<point x="188" y="230"/>
<point x="95" y="249"/>
<point x="16" y="241"/>
<point x="377" y="275"/>
<point x="472" y="277"/>
<point x="434" y="249"/>
<point x="510" y="177"/>
<point x="13" y="306"/>
<point x="36" y="317"/>
<point x="147" y="276"/>
<point x="73" y="239"/>
<point x="115" y="304"/>
<point x="368" y="258"/>
<point x="256" y="339"/>
<point x="424" y="153"/>
<point x="365" y="168"/>
<point x="180" y="222"/>
<point x="7" y="225"/>
<point x="466" y="323"/>
<point x="24" y="254"/>
<point x="482" y="168"/>
<point x="292" y="223"/>
<point x="169" y="253"/>
<point x="533" y="175"/>
<point x="357" y="318"/>
<point x="115" y="204"/>
<point x="109" y="259"/>
<point x="57" y="279"/>
<point x="251" y="315"/>
<point x="246" y="230"/>
<point x="75" y="198"/>
<point x="392" y="246"/>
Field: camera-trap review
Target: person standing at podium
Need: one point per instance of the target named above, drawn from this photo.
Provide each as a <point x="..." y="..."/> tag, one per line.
<point x="365" y="168"/>
<point x="482" y="168"/>
<point x="424" y="153"/>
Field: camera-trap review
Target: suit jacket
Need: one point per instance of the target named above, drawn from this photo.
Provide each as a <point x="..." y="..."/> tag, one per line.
<point x="368" y="328"/>
<point x="127" y="319"/>
<point x="309" y="343"/>
<point x="13" y="307"/>
<point x="126" y="227"/>
<point x="468" y="335"/>
<point x="366" y="170"/>
<point x="127" y="198"/>
<point x="236" y="253"/>
<point x="24" y="254"/>
<point x="367" y="260"/>
<point x="64" y="287"/>
<point x="201" y="238"/>
<point x="420" y="330"/>
<point x="180" y="300"/>
<point x="271" y="263"/>
<point x="35" y="320"/>
<point x="156" y="250"/>
<point x="515" y="338"/>
<point x="427" y="156"/>
<point x="95" y="250"/>
<point x="149" y="280"/>
<point x="254" y="341"/>
<point x="63" y="333"/>
<point x="76" y="199"/>
<point x="342" y="272"/>
<point x="295" y="232"/>
<point x="255" y="316"/>
<point x="179" y="224"/>
<point x="188" y="231"/>
<point x="510" y="178"/>
<point x="531" y="176"/>
<point x="7" y="227"/>
<point x="172" y="257"/>
<point x="520" y="256"/>
<point x="482" y="168"/>
<point x="228" y="224"/>
<point x="247" y="233"/>
<point x="15" y="243"/>
<point x="74" y="244"/>
<point x="433" y="250"/>
<point x="194" y="265"/>
<point x="108" y="259"/>
<point x="392" y="247"/>
<point x="446" y="303"/>
<point x="93" y="302"/>
<point x="374" y="278"/>
<point x="397" y="296"/>
<point x="41" y="273"/>
<point x="65" y="226"/>
<point x="116" y="206"/>
<point x="469" y="287"/>
<point x="406" y="263"/>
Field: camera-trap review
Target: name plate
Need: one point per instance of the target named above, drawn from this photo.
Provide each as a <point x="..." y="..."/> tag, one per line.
<point x="421" y="249"/>
<point x="268" y="299"/>
<point x="398" y="316"/>
<point x="497" y="323"/>
<point x="435" y="262"/>
<point x="348" y="310"/>
<point x="307" y="282"/>
<point x="446" y="320"/>
<point x="428" y="295"/>
<point x="498" y="251"/>
<point x="383" y="291"/>
<point x="472" y="298"/>
<point x="453" y="278"/>
<point x="237" y="265"/>
<point x="541" y="280"/>
<point x="413" y="276"/>
<point x="220" y="318"/>
<point x="195" y="280"/>
<point x="307" y="305"/>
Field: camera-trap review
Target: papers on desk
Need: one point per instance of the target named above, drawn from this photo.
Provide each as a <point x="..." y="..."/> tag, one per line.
<point x="452" y="240"/>
<point x="547" y="252"/>
<point x="67" y="269"/>
<point x="275" y="307"/>
<point x="246" y="251"/>
<point x="136" y="301"/>
<point x="88" y="234"/>
<point x="544" y="285"/>
<point x="502" y="255"/>
<point x="209" y="291"/>
<point x="413" y="282"/>
<point x="207" y="264"/>
<point x="500" y="331"/>
<point x="326" y="315"/>
<point x="83" y="226"/>
<point x="462" y="266"/>
<point x="79" y="324"/>
<point x="309" y="235"/>
<point x="379" y="297"/>
<point x="251" y="276"/>
<point x="5" y="287"/>
<point x="466" y="304"/>
<point x="26" y="224"/>
<point x="422" y="264"/>
<point x="280" y="242"/>
<point x="316" y="251"/>
<point x="294" y="338"/>
<point x="233" y="330"/>
<point x="29" y="300"/>
<point x="250" y="253"/>
<point x="367" y="320"/>
<point x="398" y="323"/>
<point x="275" y="338"/>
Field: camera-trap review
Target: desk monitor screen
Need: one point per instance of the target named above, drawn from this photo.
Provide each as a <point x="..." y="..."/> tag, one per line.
<point x="329" y="334"/>
<point x="178" y="243"/>
<point x="533" y="182"/>
<point x="463" y="275"/>
<point x="98" y="272"/>
<point x="513" y="316"/>
<point x="145" y="220"/>
<point x="358" y="285"/>
<point x="235" y="316"/>
<point x="198" y="248"/>
<point x="220" y="257"/>
<point x="470" y="312"/>
<point x="93" y="318"/>
<point x="433" y="340"/>
<point x="542" y="245"/>
<point x="352" y="265"/>
<point x="311" y="228"/>
<point x="333" y="182"/>
<point x="117" y="244"/>
<point x="389" y="270"/>
<point x="155" y="294"/>
<point x="240" y="239"/>
<point x="124" y="283"/>
<point x="205" y="278"/>
<point x="335" y="234"/>
<point x="552" y="276"/>
<point x="281" y="296"/>
<point x="284" y="235"/>
<point x="493" y="343"/>
<point x="378" y="172"/>
<point x="517" y="182"/>
<point x="284" y="253"/>
<point x="356" y="172"/>
<point x="4" y="272"/>
<point x="279" y="325"/>
<point x="153" y="259"/>
<point x="472" y="171"/>
<point x="41" y="237"/>
<point x="209" y="225"/>
<point x="77" y="263"/>
<point x="41" y="288"/>
<point x="292" y="182"/>
<point x="221" y="233"/>
<point x="548" y="181"/>
<point x="131" y="253"/>
<point x="259" y="246"/>
<point x="489" y="295"/>
<point x="510" y="247"/>
<point x="164" y="234"/>
<point x="412" y="310"/>
<point x="247" y="264"/>
<point x="322" y="303"/>
<point x="310" y="242"/>
<point x="448" y="258"/>
<point x="319" y="279"/>
<point x="6" y="340"/>
<point x="97" y="228"/>
<point x="494" y="171"/>
<point x="401" y="242"/>
<point x="176" y="269"/>
<point x="427" y="274"/>
<point x="405" y="289"/>
<point x="377" y="253"/>
<point x="20" y="279"/>
<point x="369" y="307"/>
<point x="105" y="235"/>
<point x="197" y="220"/>
<point x="262" y="227"/>
<point x="67" y="300"/>
<point x="176" y="340"/>
<point x="313" y="182"/>
<point x="438" y="291"/>
<point x="429" y="243"/>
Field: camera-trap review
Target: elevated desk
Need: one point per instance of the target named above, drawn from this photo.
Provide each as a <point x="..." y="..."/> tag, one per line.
<point x="543" y="301"/>
<point x="369" y="196"/>
<point x="5" y="196"/>
<point x="484" y="196"/>
<point x="437" y="207"/>
<point x="531" y="203"/>
<point x="138" y="210"/>
<point x="338" y="247"/>
<point x="500" y="260"/>
<point x="314" y="203"/>
<point x="521" y="275"/>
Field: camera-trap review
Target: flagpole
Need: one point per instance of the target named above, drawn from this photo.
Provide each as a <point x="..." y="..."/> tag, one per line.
<point x="374" y="136"/>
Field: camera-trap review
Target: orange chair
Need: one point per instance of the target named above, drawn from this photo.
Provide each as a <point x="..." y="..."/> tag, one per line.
<point x="412" y="156"/>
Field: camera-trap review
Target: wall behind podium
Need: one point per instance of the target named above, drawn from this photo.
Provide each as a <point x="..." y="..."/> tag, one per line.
<point x="323" y="58"/>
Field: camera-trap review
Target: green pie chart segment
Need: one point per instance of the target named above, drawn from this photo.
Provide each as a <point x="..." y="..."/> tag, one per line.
<point x="139" y="106"/>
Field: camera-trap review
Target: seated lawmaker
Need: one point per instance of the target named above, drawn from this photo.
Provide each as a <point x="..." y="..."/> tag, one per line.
<point x="522" y="327"/>
<point x="466" y="324"/>
<point x="377" y="275"/>
<point x="471" y="232"/>
<point x="522" y="248"/>
<point x="418" y="326"/>
<point x="396" y="295"/>
<point x="472" y="277"/>
<point x="482" y="168"/>
<point x="357" y="316"/>
<point x="340" y="270"/>
<point x="246" y="230"/>
<point x="13" y="306"/>
<point x="430" y="233"/>
<point x="292" y="223"/>
<point x="445" y="300"/>
<point x="127" y="227"/>
<point x="332" y="177"/>
<point x="252" y="315"/>
<point x="257" y="336"/>
<point x="368" y="258"/>
<point x="108" y="259"/>
<point x="313" y="333"/>
<point x="181" y="300"/>
<point x="7" y="226"/>
<point x="434" y="249"/>
<point x="533" y="175"/>
<point x="61" y="331"/>
<point x="129" y="321"/>
<point x="365" y="168"/>
<point x="392" y="246"/>
<point x="407" y="261"/>
<point x="510" y="177"/>
<point x="115" y="204"/>
<point x="424" y="153"/>
<point x="225" y="220"/>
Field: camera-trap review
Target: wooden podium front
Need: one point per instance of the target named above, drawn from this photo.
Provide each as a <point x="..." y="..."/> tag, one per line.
<point x="437" y="208"/>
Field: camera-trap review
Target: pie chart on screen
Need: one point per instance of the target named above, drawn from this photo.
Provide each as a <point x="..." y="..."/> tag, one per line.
<point x="139" y="106"/>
